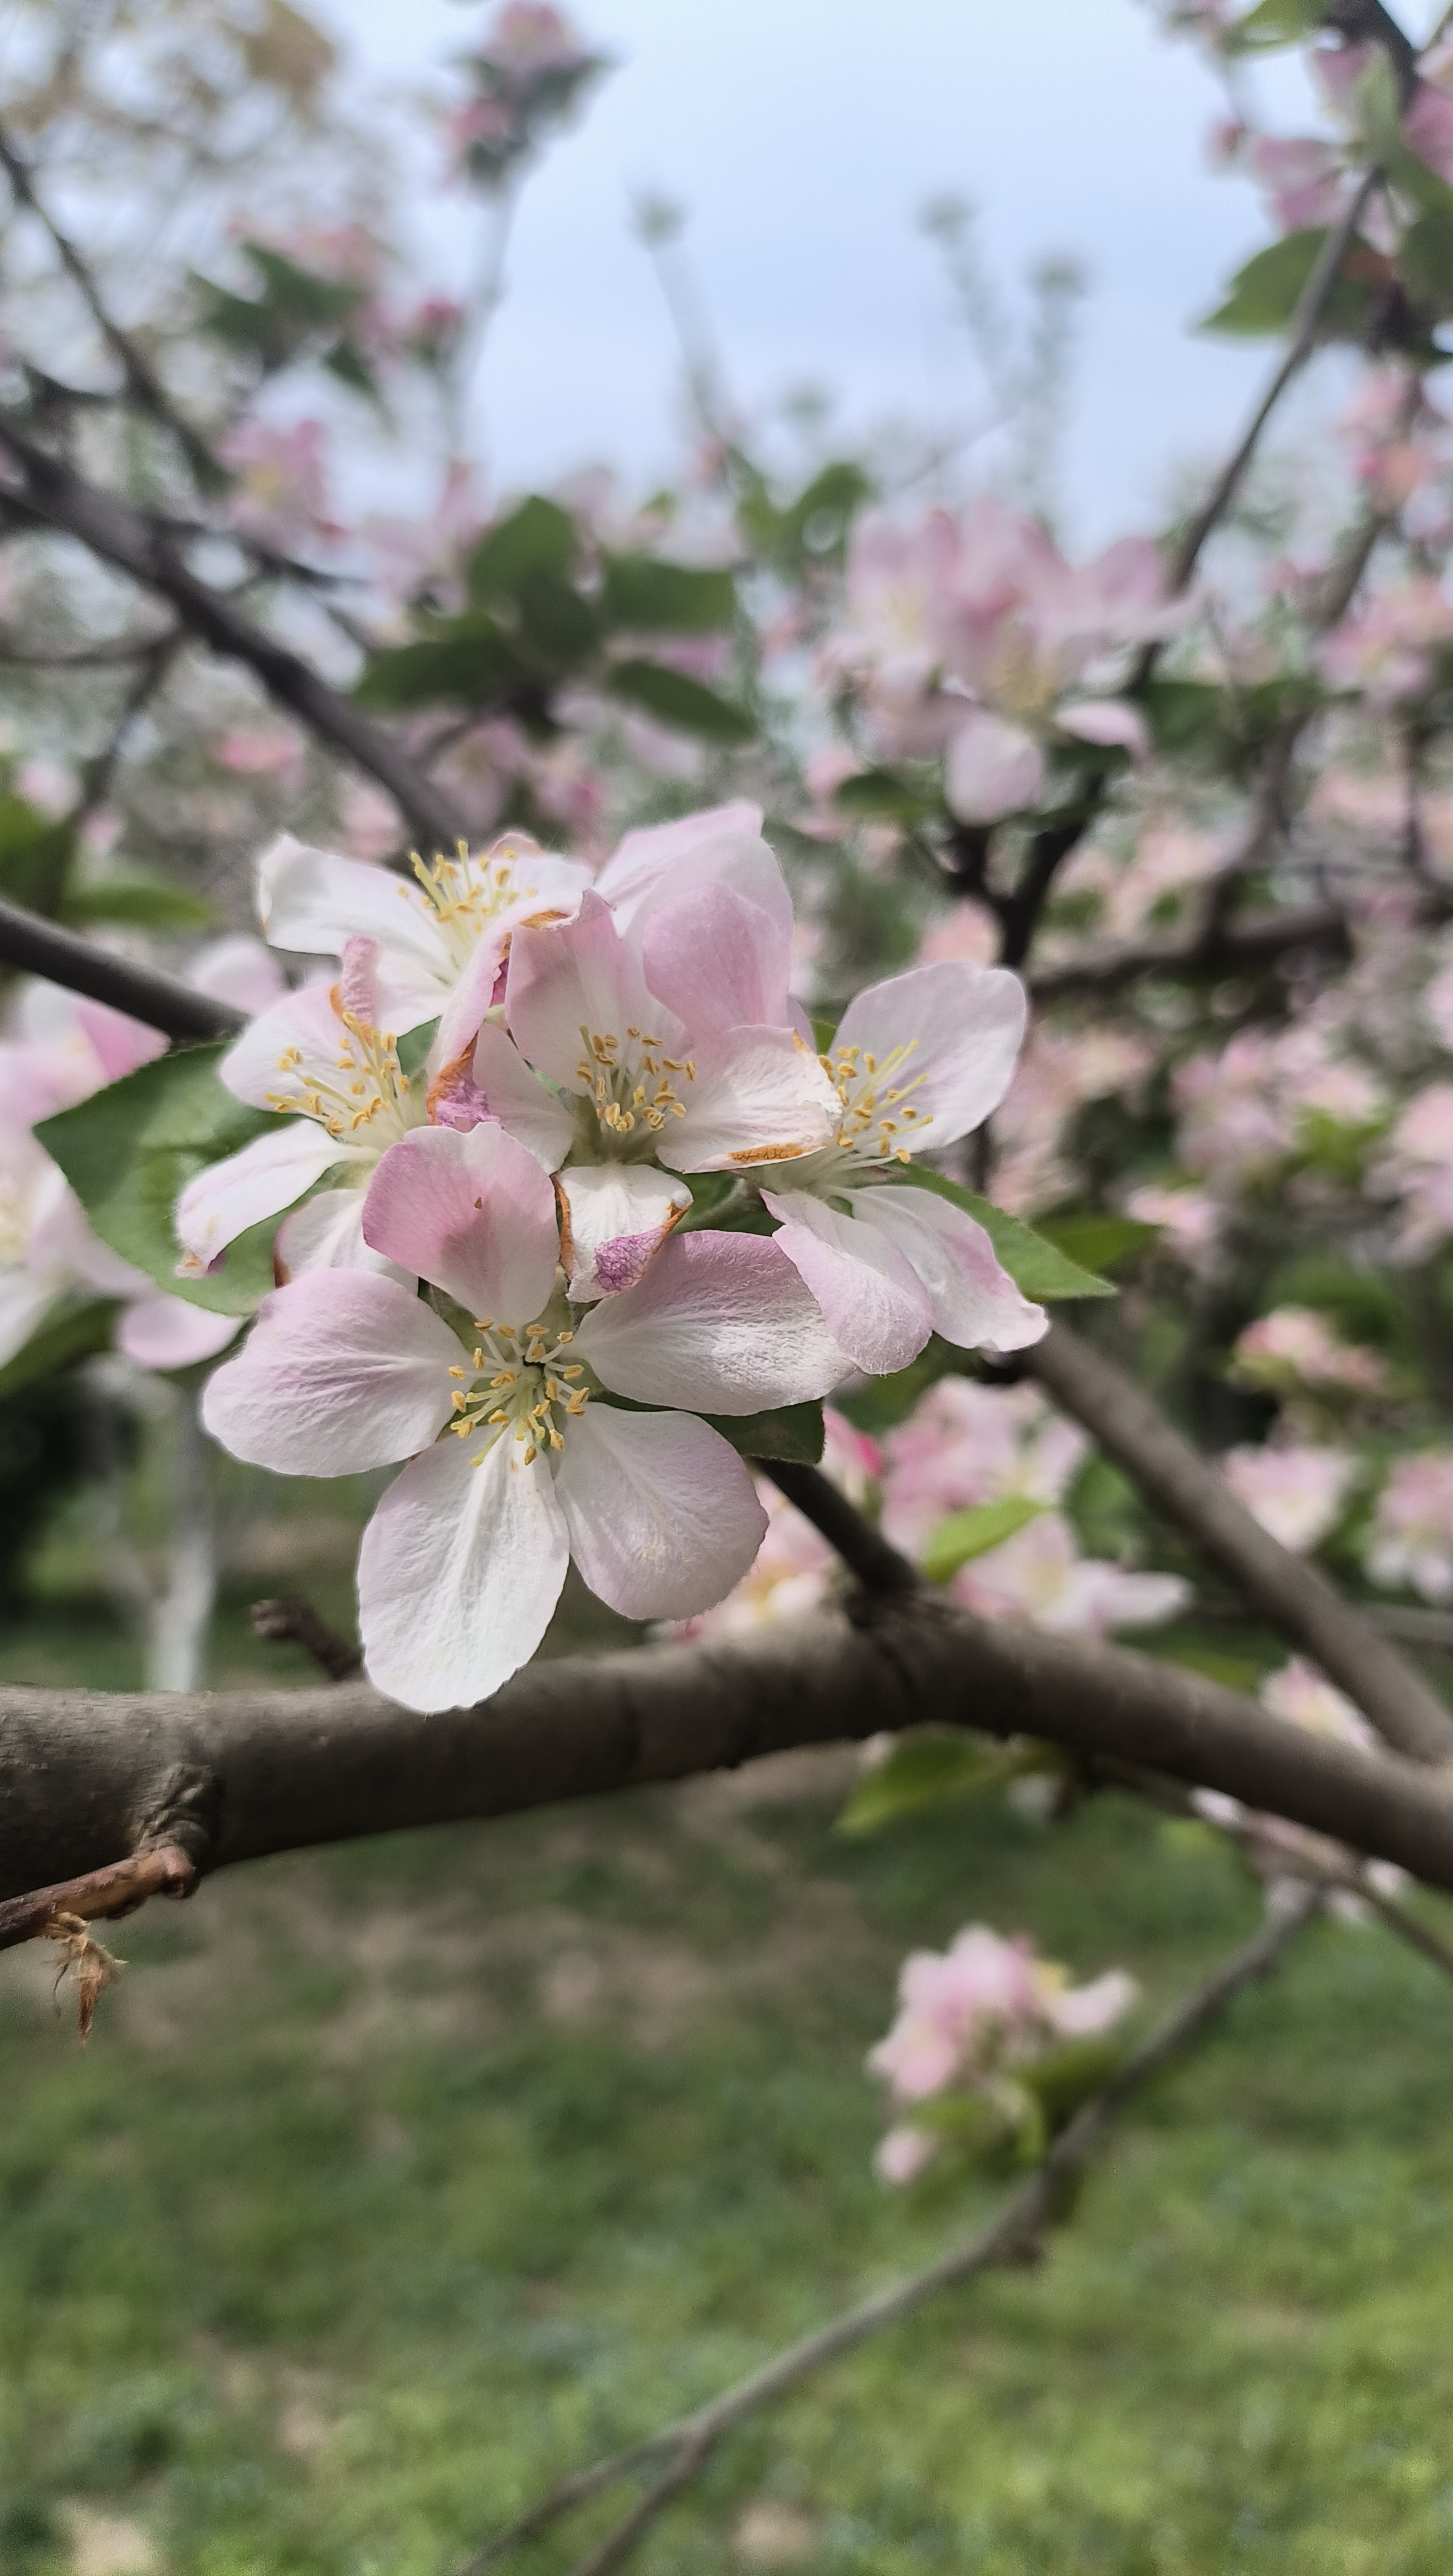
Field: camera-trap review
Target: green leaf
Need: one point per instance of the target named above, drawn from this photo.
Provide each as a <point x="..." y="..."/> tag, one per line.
<point x="1425" y="260"/>
<point x="1273" y="25"/>
<point x="794" y="1432"/>
<point x="36" y="853"/>
<point x="1067" y="2076"/>
<point x="538" y="537"/>
<point x="71" y="1335"/>
<point x="674" y="699"/>
<point x="1035" y="1265"/>
<point x="924" y="1770"/>
<point x="1097" y="1242"/>
<point x="972" y="1533"/>
<point x="413" y="1048"/>
<point x="465" y="661"/>
<point x="883" y="795"/>
<point x="137" y="903"/>
<point x="655" y="598"/>
<point x="555" y="622"/>
<point x="1266" y="292"/>
<point x="130" y="1149"/>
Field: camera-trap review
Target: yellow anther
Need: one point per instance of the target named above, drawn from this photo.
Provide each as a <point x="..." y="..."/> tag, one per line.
<point x="575" y="1370"/>
<point x="499" y="1417"/>
<point x="458" y="1372"/>
<point x="531" y="1454"/>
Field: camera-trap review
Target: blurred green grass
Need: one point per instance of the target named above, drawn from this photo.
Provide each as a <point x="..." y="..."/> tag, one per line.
<point x="399" y="2178"/>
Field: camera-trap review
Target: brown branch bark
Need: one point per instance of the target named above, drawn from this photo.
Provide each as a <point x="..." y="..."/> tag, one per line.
<point x="53" y="494"/>
<point x="1012" y="2235"/>
<point x="1220" y="948"/>
<point x="39" y="947"/>
<point x="1131" y="1429"/>
<point x="88" y="1777"/>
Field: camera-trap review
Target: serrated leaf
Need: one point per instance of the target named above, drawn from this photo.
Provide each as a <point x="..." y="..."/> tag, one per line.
<point x="967" y="1534"/>
<point x="130" y="1149"/>
<point x="650" y="597"/>
<point x="1097" y="1242"/>
<point x="1034" y="1264"/>
<point x="72" y="1334"/>
<point x="137" y="903"/>
<point x="538" y="537"/>
<point x="555" y="622"/>
<point x="1425" y="260"/>
<point x="673" y="699"/>
<point x="793" y="1432"/>
<point x="923" y="1771"/>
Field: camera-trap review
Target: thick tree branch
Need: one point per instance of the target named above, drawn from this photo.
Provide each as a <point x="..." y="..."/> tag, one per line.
<point x="1219" y="948"/>
<point x="1293" y="1595"/>
<point x="1013" y="2235"/>
<point x="88" y="1777"/>
<point x="54" y="495"/>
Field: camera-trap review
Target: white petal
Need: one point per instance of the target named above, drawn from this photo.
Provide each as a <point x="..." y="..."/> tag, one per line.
<point x="721" y="1323"/>
<point x="991" y="768"/>
<point x="719" y="961"/>
<point x="618" y="1216"/>
<point x="343" y="1370"/>
<point x="168" y="1333"/>
<point x="292" y="1046"/>
<point x="874" y="1304"/>
<point x="975" y="1302"/>
<point x="535" y="1116"/>
<point x="474" y="1213"/>
<point x="662" y="1513"/>
<point x="459" y="1572"/>
<point x="759" y="1095"/>
<point x="326" y="1233"/>
<point x="576" y="977"/>
<point x="267" y="1176"/>
<point x="954" y="1031"/>
<point x="313" y="901"/>
<point x="25" y="1301"/>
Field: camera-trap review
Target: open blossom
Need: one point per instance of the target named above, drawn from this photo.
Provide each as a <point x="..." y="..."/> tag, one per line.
<point x="1411" y="1540"/>
<point x="517" y="1458"/>
<point x="325" y="1060"/>
<point x="1302" y="1696"/>
<point x="969" y="2019"/>
<point x="1388" y="649"/>
<point x="1190" y="1222"/>
<point x="965" y="1444"/>
<point x="974" y="638"/>
<point x="1040" y="1575"/>
<point x="280" y="495"/>
<point x="1245" y="1109"/>
<point x="1060" y="1070"/>
<point x="1296" y="1490"/>
<point x="1417" y="1168"/>
<point x="1293" y="1346"/>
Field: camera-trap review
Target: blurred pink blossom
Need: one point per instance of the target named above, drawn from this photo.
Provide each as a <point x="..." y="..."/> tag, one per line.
<point x="1296" y="1490"/>
<point x="1417" y="1168"/>
<point x="280" y="495"/>
<point x="1386" y="649"/>
<point x="1294" y="1346"/>
<point x="969" y="931"/>
<point x="1040" y="1575"/>
<point x="965" y="1444"/>
<point x="794" y="1565"/>
<point x="1411" y="1541"/>
<point x="1190" y="1222"/>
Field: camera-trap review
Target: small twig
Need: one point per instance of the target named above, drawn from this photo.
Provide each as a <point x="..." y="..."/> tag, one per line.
<point x="292" y="1620"/>
<point x="1011" y="2236"/>
<point x="864" y="1550"/>
<point x="40" y="947"/>
<point x="100" y="1894"/>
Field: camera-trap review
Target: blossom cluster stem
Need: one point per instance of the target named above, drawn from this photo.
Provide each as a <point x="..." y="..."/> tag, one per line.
<point x="1013" y="2235"/>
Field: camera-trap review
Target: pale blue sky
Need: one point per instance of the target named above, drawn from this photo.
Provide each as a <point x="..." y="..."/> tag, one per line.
<point x="804" y="135"/>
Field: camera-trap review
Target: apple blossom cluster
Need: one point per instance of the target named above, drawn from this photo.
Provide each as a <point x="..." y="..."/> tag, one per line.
<point x="972" y="2023"/>
<point x="618" y="1188"/>
<point x="1282" y="1853"/>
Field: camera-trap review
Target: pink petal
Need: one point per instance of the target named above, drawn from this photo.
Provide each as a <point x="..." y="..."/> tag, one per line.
<point x="459" y="1572"/>
<point x="991" y="768"/>
<point x="463" y="1013"/>
<point x="1107" y="720"/>
<point x="535" y="1116"/>
<point x="617" y="1216"/>
<point x="238" y="969"/>
<point x="975" y="1302"/>
<point x="168" y="1333"/>
<point x="873" y="1303"/>
<point x="722" y="847"/>
<point x="720" y="1324"/>
<point x="120" y="1044"/>
<point x="757" y="1095"/>
<point x="343" y="1370"/>
<point x="571" y="977"/>
<point x="955" y="1031"/>
<point x="473" y="1213"/>
<point x="662" y="1513"/>
<point x="718" y="961"/>
<point x="267" y="1176"/>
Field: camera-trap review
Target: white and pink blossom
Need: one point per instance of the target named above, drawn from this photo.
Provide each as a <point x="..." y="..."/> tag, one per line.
<point x="1295" y="1489"/>
<point x="1411" y="1540"/>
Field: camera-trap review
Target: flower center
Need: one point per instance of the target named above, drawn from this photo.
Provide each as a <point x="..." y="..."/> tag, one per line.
<point x="873" y="1097"/>
<point x="14" y="1230"/>
<point x="467" y="893"/>
<point x="371" y="1089"/>
<point x="522" y="1380"/>
<point x="631" y="1088"/>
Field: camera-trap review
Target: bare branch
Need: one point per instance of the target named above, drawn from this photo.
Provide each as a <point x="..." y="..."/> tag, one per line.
<point x="1133" y="1431"/>
<point x="858" y="1541"/>
<point x="1013" y="2235"/>
<point x="292" y="1620"/>
<point x="53" y="495"/>
<point x="39" y="947"/>
<point x="87" y="1777"/>
<point x="99" y="1894"/>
